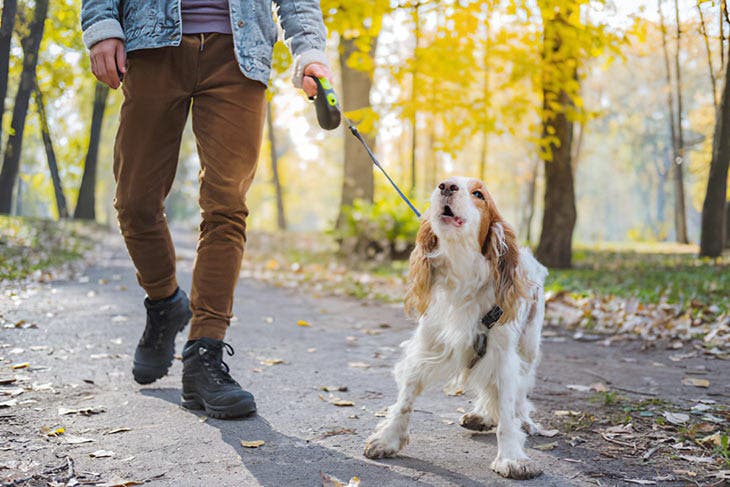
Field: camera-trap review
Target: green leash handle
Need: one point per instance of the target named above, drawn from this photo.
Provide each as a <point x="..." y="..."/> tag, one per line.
<point x="328" y="112"/>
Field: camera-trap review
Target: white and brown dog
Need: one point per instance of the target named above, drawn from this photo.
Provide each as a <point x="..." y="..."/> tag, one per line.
<point x="465" y="271"/>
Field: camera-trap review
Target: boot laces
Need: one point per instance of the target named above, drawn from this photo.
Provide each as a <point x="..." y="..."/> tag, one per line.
<point x="213" y="362"/>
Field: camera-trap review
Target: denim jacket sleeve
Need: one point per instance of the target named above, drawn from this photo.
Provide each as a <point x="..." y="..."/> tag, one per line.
<point x="100" y="20"/>
<point x="304" y="29"/>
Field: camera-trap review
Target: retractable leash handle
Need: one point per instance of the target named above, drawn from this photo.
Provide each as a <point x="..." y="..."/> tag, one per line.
<point x="328" y="113"/>
<point x="329" y="116"/>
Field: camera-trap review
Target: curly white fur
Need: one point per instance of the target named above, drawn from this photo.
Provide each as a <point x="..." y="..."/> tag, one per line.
<point x="462" y="290"/>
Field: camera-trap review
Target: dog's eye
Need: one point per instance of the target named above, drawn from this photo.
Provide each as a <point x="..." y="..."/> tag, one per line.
<point x="478" y="194"/>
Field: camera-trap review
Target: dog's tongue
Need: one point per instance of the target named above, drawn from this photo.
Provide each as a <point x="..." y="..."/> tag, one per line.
<point x="452" y="220"/>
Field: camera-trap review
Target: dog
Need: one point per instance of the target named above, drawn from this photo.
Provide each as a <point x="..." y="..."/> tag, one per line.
<point x="480" y="304"/>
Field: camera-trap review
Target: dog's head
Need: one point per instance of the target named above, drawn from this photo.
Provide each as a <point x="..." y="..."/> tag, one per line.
<point x="464" y="218"/>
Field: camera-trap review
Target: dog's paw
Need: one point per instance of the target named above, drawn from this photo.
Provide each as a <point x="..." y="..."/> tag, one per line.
<point x="516" y="469"/>
<point x="476" y="422"/>
<point x="384" y="446"/>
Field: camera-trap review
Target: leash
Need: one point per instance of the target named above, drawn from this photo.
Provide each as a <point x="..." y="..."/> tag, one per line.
<point x="329" y="115"/>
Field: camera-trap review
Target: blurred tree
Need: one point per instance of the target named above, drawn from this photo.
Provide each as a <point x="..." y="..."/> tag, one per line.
<point x="50" y="154"/>
<point x="86" y="202"/>
<point x="7" y="24"/>
<point x="358" y="25"/>
<point x="275" y="179"/>
<point x="714" y="233"/>
<point x="560" y="74"/>
<point x="11" y="163"/>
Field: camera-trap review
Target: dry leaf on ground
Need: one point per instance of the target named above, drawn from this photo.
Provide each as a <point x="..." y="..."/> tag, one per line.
<point x="252" y="444"/>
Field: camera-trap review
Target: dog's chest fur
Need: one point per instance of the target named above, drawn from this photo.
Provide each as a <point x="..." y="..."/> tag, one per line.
<point x="461" y="295"/>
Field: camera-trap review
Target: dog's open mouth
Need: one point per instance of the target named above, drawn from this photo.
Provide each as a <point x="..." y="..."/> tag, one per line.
<point x="448" y="217"/>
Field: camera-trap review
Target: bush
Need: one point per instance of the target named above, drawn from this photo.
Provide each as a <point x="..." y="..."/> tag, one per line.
<point x="380" y="231"/>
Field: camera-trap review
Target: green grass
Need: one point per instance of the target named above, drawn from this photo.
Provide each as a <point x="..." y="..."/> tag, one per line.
<point x="29" y="244"/>
<point x="650" y="273"/>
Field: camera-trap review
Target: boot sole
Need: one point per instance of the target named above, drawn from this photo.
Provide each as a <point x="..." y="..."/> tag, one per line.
<point x="240" y="410"/>
<point x="145" y="379"/>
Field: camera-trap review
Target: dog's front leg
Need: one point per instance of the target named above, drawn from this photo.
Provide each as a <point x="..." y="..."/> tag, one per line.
<point x="511" y="461"/>
<point x="391" y="435"/>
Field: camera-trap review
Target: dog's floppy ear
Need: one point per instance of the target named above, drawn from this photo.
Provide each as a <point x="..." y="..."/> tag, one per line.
<point x="501" y="248"/>
<point x="420" y="269"/>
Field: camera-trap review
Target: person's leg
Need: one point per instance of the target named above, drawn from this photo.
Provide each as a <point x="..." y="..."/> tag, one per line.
<point x="228" y="119"/>
<point x="157" y="92"/>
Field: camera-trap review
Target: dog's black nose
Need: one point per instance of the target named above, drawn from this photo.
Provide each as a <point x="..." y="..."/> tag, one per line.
<point x="447" y="189"/>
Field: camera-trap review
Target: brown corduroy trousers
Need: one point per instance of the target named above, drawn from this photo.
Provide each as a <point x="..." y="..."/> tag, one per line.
<point x="228" y="113"/>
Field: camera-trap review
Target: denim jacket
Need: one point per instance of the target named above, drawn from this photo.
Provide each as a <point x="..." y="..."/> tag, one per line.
<point x="157" y="23"/>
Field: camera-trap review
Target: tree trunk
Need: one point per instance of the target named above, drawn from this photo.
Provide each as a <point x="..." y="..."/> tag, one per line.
<point x="11" y="163"/>
<point x="708" y="51"/>
<point x="528" y="209"/>
<point x="712" y="238"/>
<point x="50" y="154"/>
<point x="280" y="214"/>
<point x="680" y="217"/>
<point x="10" y="8"/>
<point x="358" y="182"/>
<point x="727" y="225"/>
<point x="86" y="202"/>
<point x="414" y="92"/>
<point x="559" y="214"/>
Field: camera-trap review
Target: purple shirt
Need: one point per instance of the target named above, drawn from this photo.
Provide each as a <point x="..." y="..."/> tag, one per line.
<point x="203" y="16"/>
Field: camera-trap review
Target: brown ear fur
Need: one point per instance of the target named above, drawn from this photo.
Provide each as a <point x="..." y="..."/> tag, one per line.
<point x="419" y="271"/>
<point x="502" y="249"/>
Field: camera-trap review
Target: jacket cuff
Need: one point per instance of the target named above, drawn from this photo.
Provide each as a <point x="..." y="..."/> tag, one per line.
<point x="104" y="29"/>
<point x="303" y="60"/>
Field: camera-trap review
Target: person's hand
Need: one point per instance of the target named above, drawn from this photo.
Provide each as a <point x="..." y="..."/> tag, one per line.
<point x="318" y="70"/>
<point x="108" y="59"/>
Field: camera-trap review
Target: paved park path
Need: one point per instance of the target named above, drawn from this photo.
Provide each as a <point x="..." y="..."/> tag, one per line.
<point x="77" y="338"/>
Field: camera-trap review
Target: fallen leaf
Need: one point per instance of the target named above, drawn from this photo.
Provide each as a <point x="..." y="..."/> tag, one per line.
<point x="120" y="483"/>
<point x="77" y="440"/>
<point x="381" y="414"/>
<point x="101" y="454"/>
<point x="578" y="387"/>
<point x="713" y="439"/>
<point x="88" y="411"/>
<point x="566" y="413"/>
<point x="53" y="431"/>
<point x="22" y="365"/>
<point x="7" y="380"/>
<point x="9" y="403"/>
<point x="546" y="446"/>
<point x="675" y="418"/>
<point x="117" y="430"/>
<point x="691" y="381"/>
<point x="334" y="388"/>
<point x="336" y="432"/>
<point x="358" y="365"/>
<point x="457" y="392"/>
<point x="599" y="387"/>
<point x="303" y="323"/>
<point x="272" y="361"/>
<point x="342" y="403"/>
<point x="331" y="481"/>
<point x="311" y="350"/>
<point x="640" y="481"/>
<point x="547" y="433"/>
<point x="252" y="444"/>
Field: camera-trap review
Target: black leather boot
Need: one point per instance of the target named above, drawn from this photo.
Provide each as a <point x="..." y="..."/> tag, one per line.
<point x="156" y="349"/>
<point x="207" y="383"/>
